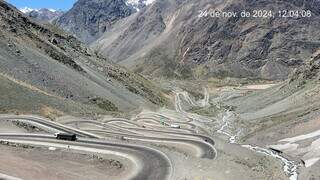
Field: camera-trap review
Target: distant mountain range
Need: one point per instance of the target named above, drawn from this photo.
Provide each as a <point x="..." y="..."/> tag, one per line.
<point x="27" y="10"/>
<point x="43" y="14"/>
<point x="167" y="37"/>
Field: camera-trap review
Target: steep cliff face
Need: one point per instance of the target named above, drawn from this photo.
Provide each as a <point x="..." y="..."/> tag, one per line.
<point x="89" y="19"/>
<point x="169" y="38"/>
<point x="310" y="71"/>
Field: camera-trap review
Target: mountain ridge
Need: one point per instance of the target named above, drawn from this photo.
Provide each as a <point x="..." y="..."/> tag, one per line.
<point x="87" y="20"/>
<point x="44" y="15"/>
<point x="191" y="47"/>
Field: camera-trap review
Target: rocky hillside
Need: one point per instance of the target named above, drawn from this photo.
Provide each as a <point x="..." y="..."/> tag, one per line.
<point x="168" y="38"/>
<point x="44" y="15"/>
<point x="310" y="71"/>
<point x="42" y="66"/>
<point x="89" y="19"/>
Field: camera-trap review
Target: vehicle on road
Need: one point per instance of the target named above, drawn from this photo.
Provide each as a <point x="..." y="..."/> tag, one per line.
<point x="276" y="150"/>
<point x="177" y="126"/>
<point x="66" y="136"/>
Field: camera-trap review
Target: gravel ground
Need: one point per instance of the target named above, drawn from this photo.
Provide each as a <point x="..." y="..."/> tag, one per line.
<point x="31" y="163"/>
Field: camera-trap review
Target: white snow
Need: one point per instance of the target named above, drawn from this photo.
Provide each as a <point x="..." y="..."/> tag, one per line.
<point x="135" y="3"/>
<point x="311" y="162"/>
<point x="27" y="9"/>
<point x="147" y="2"/>
<point x="302" y="137"/>
<point x="310" y="154"/>
<point x="287" y="147"/>
<point x="52" y="10"/>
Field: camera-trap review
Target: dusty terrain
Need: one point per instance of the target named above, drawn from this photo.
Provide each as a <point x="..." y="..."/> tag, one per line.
<point x="56" y="70"/>
<point x="41" y="163"/>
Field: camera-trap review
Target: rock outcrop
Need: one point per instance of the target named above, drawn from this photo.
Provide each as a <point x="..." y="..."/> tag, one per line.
<point x="89" y="19"/>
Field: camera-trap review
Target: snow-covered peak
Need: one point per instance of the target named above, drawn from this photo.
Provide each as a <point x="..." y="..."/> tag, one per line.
<point x="42" y="15"/>
<point x="52" y="10"/>
<point x="147" y="2"/>
<point x="138" y="4"/>
<point x="27" y="9"/>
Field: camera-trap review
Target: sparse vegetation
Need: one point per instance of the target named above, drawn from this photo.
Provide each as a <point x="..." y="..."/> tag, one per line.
<point x="20" y="98"/>
<point x="207" y="111"/>
<point x="103" y="104"/>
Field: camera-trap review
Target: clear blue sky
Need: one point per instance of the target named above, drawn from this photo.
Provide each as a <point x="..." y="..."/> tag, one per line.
<point x="37" y="4"/>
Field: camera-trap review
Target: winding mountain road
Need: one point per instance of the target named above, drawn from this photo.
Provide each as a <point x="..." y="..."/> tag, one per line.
<point x="149" y="163"/>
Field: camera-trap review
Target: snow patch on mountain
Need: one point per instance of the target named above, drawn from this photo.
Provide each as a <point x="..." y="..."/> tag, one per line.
<point x="139" y="4"/>
<point x="26" y="10"/>
<point x="52" y="10"/>
<point x="42" y="15"/>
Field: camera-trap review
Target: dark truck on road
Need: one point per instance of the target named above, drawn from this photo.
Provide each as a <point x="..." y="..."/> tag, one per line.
<point x="65" y="136"/>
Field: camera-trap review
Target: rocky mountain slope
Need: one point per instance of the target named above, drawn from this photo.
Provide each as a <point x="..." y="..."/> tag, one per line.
<point x="43" y="66"/>
<point x="168" y="38"/>
<point x="43" y="15"/>
<point x="310" y="71"/>
<point x="89" y="19"/>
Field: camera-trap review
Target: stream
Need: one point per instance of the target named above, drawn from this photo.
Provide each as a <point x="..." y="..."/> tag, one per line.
<point x="290" y="168"/>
